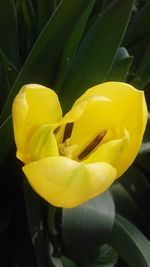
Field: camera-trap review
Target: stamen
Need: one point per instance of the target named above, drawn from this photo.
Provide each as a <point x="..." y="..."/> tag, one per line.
<point x="68" y="131"/>
<point x="90" y="147"/>
<point x="57" y="129"/>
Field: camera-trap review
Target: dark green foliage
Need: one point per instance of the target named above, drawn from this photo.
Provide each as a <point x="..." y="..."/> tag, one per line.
<point x="70" y="45"/>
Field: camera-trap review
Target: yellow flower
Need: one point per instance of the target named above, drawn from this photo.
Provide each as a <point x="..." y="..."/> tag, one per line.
<point x="71" y="159"/>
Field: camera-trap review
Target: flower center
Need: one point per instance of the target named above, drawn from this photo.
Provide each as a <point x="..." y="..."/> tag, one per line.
<point x="65" y="149"/>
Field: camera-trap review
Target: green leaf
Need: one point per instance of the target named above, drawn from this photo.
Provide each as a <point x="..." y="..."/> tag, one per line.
<point x="71" y="47"/>
<point x="139" y="27"/>
<point x="124" y="202"/>
<point x="6" y="134"/>
<point x="138" y="51"/>
<point x="67" y="262"/>
<point x="40" y="66"/>
<point x="88" y="226"/>
<point x="8" y="31"/>
<point x="10" y="70"/>
<point x="137" y="185"/>
<point x="53" y="260"/>
<point x="145" y="148"/>
<point x="145" y="63"/>
<point x="107" y="258"/>
<point x="30" y="25"/>
<point x="132" y="246"/>
<point x="35" y="222"/>
<point x="97" y="51"/>
<point x="101" y="5"/>
<point x="142" y="74"/>
<point x="45" y="8"/>
<point x="143" y="163"/>
<point x="120" y="67"/>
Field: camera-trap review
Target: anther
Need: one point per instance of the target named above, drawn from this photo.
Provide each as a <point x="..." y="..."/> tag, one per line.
<point x="90" y="147"/>
<point x="68" y="131"/>
<point x="57" y="129"/>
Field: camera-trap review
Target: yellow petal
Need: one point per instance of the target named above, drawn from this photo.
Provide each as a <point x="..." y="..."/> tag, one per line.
<point x="80" y="107"/>
<point x="108" y="152"/>
<point x="93" y="121"/>
<point x="19" y="114"/>
<point x="126" y="109"/>
<point x="66" y="183"/>
<point x="77" y="111"/>
<point x="43" y="144"/>
<point x="33" y="106"/>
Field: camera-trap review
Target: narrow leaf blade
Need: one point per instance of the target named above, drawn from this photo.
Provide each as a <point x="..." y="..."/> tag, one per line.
<point x="8" y="31"/>
<point x="132" y="246"/>
<point x="96" y="55"/>
<point x="40" y="66"/>
<point x="120" y="67"/>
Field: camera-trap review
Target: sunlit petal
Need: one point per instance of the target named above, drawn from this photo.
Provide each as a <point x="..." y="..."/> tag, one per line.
<point x="81" y="107"/>
<point x="127" y="109"/>
<point x="43" y="144"/>
<point x="33" y="106"/>
<point x="108" y="152"/>
<point x="72" y="159"/>
<point x="66" y="183"/>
